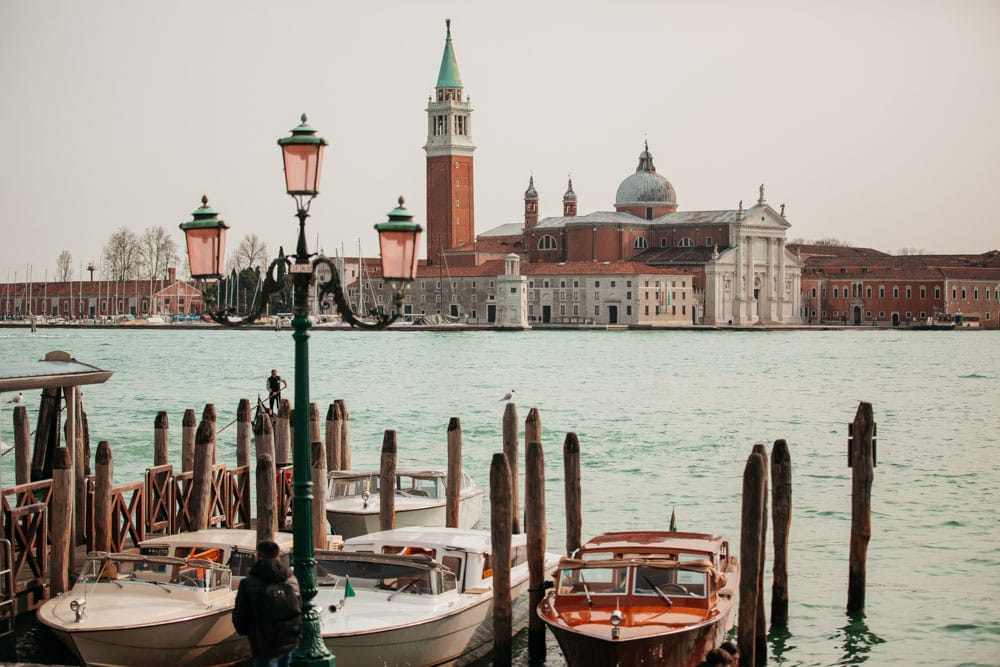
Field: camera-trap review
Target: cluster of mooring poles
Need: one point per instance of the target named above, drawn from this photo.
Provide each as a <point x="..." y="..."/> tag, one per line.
<point x="861" y="458"/>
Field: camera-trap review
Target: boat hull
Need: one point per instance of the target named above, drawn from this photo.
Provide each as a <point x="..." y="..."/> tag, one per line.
<point x="678" y="649"/>
<point x="198" y="642"/>
<point x="350" y="523"/>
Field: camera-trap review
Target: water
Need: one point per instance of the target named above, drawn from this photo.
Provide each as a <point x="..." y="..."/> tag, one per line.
<point x="666" y="421"/>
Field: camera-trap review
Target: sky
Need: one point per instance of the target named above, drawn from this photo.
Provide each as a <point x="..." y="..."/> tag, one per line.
<point x="876" y="123"/>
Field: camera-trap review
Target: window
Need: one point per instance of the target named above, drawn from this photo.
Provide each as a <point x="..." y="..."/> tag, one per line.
<point x="814" y="293"/>
<point x="937" y="292"/>
<point x="975" y="294"/>
<point x="545" y="284"/>
<point x="597" y="283"/>
<point x="868" y="292"/>
<point x="640" y="242"/>
<point x="708" y="241"/>
<point x="562" y="309"/>
<point x="649" y="213"/>
<point x="923" y="292"/>
<point x="628" y="310"/>
<point x="836" y="292"/>
<point x="513" y="290"/>
<point x="663" y="244"/>
<point x="612" y="283"/>
<point x="909" y="292"/>
<point x="597" y="310"/>
<point x="576" y="283"/>
<point x="562" y="284"/>
<point x="576" y="309"/>
<point x="547" y="242"/>
<point x="685" y="243"/>
<point x="895" y="292"/>
<point x="628" y="296"/>
<point x="963" y="294"/>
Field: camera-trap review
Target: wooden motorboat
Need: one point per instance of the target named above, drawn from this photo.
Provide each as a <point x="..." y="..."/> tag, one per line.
<point x="417" y="596"/>
<point x="643" y="598"/>
<point x="168" y="603"/>
<point x="352" y="500"/>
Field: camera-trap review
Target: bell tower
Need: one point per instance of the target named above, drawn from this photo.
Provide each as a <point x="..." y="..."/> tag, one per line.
<point x="450" y="204"/>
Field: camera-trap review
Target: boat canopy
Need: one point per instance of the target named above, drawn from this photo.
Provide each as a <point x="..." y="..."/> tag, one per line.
<point x="57" y="369"/>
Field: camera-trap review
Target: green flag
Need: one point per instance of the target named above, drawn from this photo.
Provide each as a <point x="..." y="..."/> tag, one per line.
<point x="348" y="589"/>
<point x="673" y="522"/>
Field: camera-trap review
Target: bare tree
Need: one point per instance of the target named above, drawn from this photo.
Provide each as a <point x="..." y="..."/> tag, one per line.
<point x="832" y="242"/>
<point x="64" y="267"/>
<point x="157" y="251"/>
<point x="122" y="255"/>
<point x="911" y="251"/>
<point x="251" y="252"/>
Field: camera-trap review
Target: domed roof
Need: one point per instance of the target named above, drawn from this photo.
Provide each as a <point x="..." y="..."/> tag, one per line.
<point x="570" y="195"/>
<point x="645" y="186"/>
<point x="531" y="193"/>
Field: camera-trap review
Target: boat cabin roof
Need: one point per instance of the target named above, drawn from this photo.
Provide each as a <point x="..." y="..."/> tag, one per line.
<point x="654" y="541"/>
<point x="238" y="538"/>
<point x="469" y="540"/>
<point x="56" y="369"/>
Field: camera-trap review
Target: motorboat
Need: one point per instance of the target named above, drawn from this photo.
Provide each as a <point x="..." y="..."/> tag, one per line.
<point x="352" y="500"/>
<point x="416" y="596"/>
<point x="165" y="604"/>
<point x="643" y="598"/>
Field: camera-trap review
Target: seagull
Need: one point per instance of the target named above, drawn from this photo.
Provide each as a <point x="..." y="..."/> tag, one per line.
<point x="509" y="396"/>
<point x="17" y="400"/>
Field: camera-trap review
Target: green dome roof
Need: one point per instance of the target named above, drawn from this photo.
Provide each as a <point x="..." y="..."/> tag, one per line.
<point x="448" y="76"/>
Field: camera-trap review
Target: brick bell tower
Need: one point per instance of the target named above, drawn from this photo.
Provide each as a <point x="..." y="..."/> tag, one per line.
<point x="450" y="204"/>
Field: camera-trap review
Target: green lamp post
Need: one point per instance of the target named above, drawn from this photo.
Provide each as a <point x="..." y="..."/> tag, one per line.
<point x="302" y="153"/>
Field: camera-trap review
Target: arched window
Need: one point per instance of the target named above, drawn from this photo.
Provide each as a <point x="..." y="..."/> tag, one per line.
<point x="685" y="243"/>
<point x="547" y="242"/>
<point x="663" y="242"/>
<point x="640" y="242"/>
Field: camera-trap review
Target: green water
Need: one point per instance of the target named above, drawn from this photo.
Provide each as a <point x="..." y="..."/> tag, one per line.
<point x="666" y="421"/>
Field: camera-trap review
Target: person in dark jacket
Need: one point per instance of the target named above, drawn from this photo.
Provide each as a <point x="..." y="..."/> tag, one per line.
<point x="265" y="613"/>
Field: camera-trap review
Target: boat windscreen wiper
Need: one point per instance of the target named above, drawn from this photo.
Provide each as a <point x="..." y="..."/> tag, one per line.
<point x="666" y="598"/>
<point x="586" y="590"/>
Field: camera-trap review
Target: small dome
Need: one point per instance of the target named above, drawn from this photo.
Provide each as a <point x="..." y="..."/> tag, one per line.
<point x="645" y="186"/>
<point x="570" y="195"/>
<point x="531" y="193"/>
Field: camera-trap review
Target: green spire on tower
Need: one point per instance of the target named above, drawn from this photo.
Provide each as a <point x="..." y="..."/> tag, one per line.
<point x="449" y="77"/>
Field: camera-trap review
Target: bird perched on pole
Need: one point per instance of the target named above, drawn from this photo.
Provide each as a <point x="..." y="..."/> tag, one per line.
<point x="17" y="400"/>
<point x="509" y="397"/>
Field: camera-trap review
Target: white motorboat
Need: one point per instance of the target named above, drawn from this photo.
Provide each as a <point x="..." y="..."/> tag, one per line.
<point x="352" y="500"/>
<point x="166" y="604"/>
<point x="417" y="596"/>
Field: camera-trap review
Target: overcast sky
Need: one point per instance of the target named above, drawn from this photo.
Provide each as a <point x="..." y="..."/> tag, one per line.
<point x="877" y="123"/>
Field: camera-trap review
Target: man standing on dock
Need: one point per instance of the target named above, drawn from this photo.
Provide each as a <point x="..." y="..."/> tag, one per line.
<point x="268" y="609"/>
<point x="274" y="386"/>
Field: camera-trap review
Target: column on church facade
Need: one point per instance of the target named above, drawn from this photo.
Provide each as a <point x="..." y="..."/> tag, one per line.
<point x="738" y="286"/>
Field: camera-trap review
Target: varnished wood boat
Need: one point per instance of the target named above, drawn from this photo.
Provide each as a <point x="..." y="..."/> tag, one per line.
<point x="643" y="598"/>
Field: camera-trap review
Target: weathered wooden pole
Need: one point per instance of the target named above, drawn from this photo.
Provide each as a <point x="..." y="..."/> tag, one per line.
<point x="46" y="434"/>
<point x="319" y="523"/>
<point x="332" y="438"/>
<point x="453" y="480"/>
<point x="345" y="435"/>
<point x="315" y="433"/>
<point x="201" y="489"/>
<point x="243" y="428"/>
<point x="760" y="653"/>
<point x="534" y="527"/>
<point x="263" y="436"/>
<point x="83" y="433"/>
<point x="781" y="516"/>
<point x="189" y="427"/>
<point x="209" y="414"/>
<point x="861" y="453"/>
<point x="573" y="491"/>
<point x="103" y="483"/>
<point x="61" y="521"/>
<point x="282" y="432"/>
<point x="161" y="439"/>
<point x="267" y="517"/>
<point x="750" y="541"/>
<point x="501" y="524"/>
<point x="387" y="482"/>
<point x="511" y="446"/>
<point x="22" y="446"/>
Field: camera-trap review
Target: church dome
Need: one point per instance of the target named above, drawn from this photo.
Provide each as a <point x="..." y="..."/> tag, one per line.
<point x="645" y="187"/>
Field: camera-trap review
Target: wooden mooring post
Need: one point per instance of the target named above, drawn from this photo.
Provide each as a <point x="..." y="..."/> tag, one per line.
<point x="510" y="449"/>
<point x="282" y="433"/>
<point x="103" y="483"/>
<point x="534" y="527"/>
<point x="750" y="562"/>
<point x="781" y="517"/>
<point x="61" y="521"/>
<point x="267" y="518"/>
<point x="201" y="485"/>
<point x="387" y="482"/>
<point x="501" y="524"/>
<point x="243" y="429"/>
<point x="161" y="439"/>
<point x="573" y="492"/>
<point x="345" y="435"/>
<point x="332" y="438"/>
<point x="189" y="428"/>
<point x="760" y="652"/>
<point x="319" y="522"/>
<point x="22" y="446"/>
<point x="453" y="478"/>
<point x="861" y="454"/>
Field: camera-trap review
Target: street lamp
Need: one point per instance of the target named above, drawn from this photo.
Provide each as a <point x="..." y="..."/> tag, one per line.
<point x="302" y="153"/>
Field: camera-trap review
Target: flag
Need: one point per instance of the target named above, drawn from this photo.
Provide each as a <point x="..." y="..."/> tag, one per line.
<point x="348" y="589"/>
<point x="673" y="522"/>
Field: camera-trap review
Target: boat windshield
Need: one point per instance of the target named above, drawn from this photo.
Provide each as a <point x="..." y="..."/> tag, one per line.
<point x="672" y="582"/>
<point x="122" y="568"/>
<point x="593" y="581"/>
<point x="352" y="486"/>
<point x="422" y="486"/>
<point x="383" y="576"/>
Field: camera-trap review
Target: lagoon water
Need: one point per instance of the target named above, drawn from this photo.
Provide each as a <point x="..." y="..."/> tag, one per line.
<point x="666" y="421"/>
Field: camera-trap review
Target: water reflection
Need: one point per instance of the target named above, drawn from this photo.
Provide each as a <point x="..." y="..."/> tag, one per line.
<point x="858" y="640"/>
<point x="779" y="638"/>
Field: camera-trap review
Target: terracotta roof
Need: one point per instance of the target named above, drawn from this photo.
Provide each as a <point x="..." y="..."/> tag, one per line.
<point x="677" y="255"/>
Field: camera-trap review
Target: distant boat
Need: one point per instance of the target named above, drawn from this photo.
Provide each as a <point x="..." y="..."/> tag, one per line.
<point x="352" y="500"/>
<point x="931" y="324"/>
